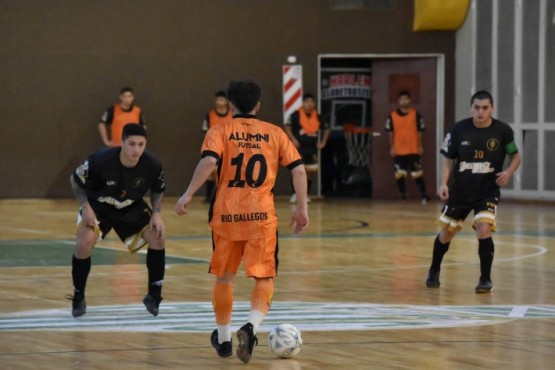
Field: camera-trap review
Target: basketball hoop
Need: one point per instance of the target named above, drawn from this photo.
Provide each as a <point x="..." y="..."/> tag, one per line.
<point x="359" y="144"/>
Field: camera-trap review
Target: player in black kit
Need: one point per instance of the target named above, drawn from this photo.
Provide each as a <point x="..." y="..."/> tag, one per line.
<point x="475" y="150"/>
<point x="110" y="186"/>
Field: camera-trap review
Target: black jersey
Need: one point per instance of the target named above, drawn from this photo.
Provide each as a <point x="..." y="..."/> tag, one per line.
<point x="112" y="186"/>
<point x="479" y="154"/>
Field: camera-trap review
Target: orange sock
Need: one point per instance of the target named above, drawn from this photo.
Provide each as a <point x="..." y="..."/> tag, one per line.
<point x="261" y="298"/>
<point x="223" y="303"/>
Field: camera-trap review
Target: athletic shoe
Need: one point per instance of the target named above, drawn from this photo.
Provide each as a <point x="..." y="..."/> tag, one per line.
<point x="433" y="280"/>
<point x="247" y="341"/>
<point x="79" y="305"/>
<point x="403" y="196"/>
<point x="293" y="199"/>
<point x="152" y="303"/>
<point x="425" y="199"/>
<point x="224" y="349"/>
<point x="484" y="286"/>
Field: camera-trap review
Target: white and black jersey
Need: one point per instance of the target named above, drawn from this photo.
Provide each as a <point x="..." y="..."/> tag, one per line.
<point x="479" y="154"/>
<point x="111" y="186"/>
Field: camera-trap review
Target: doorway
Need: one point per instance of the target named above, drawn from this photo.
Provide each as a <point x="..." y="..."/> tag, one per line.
<point x="366" y="88"/>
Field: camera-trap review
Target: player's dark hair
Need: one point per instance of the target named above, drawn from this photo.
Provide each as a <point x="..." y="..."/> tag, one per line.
<point x="403" y="93"/>
<point x="126" y="89"/>
<point x="309" y="96"/>
<point x="220" y="94"/>
<point x="481" y="95"/>
<point x="133" y="129"/>
<point x="244" y="95"/>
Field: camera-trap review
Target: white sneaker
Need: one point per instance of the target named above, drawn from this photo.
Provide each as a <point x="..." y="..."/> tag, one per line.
<point x="308" y="200"/>
<point x="293" y="199"/>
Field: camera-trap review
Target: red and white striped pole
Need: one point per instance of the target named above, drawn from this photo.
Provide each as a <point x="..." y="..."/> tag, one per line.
<point x="292" y="89"/>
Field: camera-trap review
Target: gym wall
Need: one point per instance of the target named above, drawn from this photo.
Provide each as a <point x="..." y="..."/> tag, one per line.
<point x="63" y="63"/>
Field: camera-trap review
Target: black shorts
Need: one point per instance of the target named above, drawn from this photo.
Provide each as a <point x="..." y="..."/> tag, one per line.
<point x="408" y="163"/>
<point x="454" y="212"/>
<point x="127" y="222"/>
<point x="308" y="149"/>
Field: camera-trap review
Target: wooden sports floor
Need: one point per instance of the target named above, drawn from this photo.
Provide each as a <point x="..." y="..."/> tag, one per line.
<point x="353" y="283"/>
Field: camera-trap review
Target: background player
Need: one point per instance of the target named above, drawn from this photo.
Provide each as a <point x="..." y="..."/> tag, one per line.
<point x="118" y="116"/>
<point x="243" y="219"/>
<point x="303" y="128"/>
<point x="479" y="146"/>
<point x="219" y="114"/>
<point x="405" y="126"/>
<point x="110" y="186"/>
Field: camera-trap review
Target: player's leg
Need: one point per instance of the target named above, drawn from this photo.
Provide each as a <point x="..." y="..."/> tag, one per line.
<point x="132" y="228"/>
<point x="417" y="173"/>
<point x="81" y="266"/>
<point x="156" y="266"/>
<point x="225" y="261"/>
<point x="484" y="224"/>
<point x="260" y="260"/>
<point x="451" y="221"/>
<point x="400" y="168"/>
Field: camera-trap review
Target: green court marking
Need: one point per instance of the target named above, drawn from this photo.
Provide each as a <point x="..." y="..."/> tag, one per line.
<point x="32" y="253"/>
<point x="310" y="316"/>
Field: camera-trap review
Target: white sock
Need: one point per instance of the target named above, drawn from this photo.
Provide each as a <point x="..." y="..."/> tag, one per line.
<point x="255" y="318"/>
<point x="224" y="333"/>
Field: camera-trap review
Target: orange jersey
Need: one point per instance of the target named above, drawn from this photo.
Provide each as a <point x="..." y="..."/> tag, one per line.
<point x="122" y="118"/>
<point x="405" y="129"/>
<point x="310" y="125"/>
<point x="249" y="152"/>
<point x="214" y="118"/>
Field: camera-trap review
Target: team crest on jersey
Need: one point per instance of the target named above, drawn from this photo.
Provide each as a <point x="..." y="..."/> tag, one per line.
<point x="493" y="144"/>
<point x="138" y="182"/>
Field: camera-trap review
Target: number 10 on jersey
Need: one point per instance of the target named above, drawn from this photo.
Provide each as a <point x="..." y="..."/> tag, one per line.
<point x="256" y="159"/>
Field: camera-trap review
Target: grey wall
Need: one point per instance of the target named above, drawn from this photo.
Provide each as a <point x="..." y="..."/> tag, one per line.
<point x="63" y="63"/>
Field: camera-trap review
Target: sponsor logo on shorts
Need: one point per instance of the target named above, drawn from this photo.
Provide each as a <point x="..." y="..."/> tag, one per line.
<point x="465" y="143"/>
<point x="111" y="183"/>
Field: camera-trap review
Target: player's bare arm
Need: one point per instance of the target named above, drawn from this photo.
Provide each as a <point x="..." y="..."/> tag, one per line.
<point x="325" y="136"/>
<point x="87" y="213"/>
<point x="156" y="224"/>
<point x="203" y="171"/>
<point x="446" y="168"/>
<point x="289" y="133"/>
<point x="104" y="134"/>
<point x="299" y="220"/>
<point x="392" y="149"/>
<point x="504" y="176"/>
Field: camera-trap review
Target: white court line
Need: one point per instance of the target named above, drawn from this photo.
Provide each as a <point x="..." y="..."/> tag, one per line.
<point x="30" y="231"/>
<point x="519" y="311"/>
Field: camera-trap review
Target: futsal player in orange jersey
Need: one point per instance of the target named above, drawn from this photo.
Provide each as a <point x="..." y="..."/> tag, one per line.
<point x="247" y="153"/>
<point x="117" y="116"/>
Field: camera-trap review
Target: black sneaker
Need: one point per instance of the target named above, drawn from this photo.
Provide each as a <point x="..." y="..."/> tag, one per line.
<point x="403" y="196"/>
<point x="224" y="349"/>
<point x="484" y="286"/>
<point x="152" y="303"/>
<point x="433" y="280"/>
<point x="79" y="305"/>
<point x="247" y="341"/>
<point x="425" y="199"/>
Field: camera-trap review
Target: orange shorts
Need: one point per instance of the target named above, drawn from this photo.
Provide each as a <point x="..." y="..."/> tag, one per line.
<point x="259" y="256"/>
